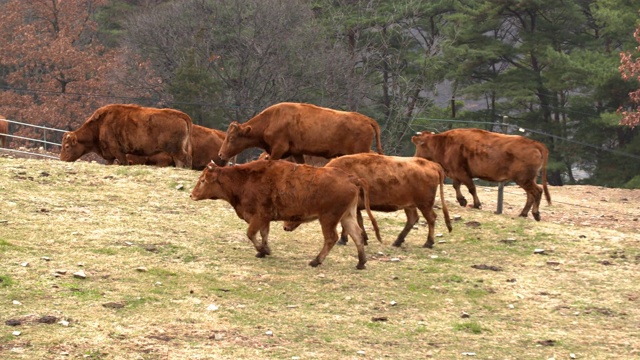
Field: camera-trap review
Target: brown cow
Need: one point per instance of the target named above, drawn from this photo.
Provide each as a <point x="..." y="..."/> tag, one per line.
<point x="398" y="183"/>
<point x="115" y="130"/>
<point x="269" y="190"/>
<point x="473" y="153"/>
<point x="4" y="129"/>
<point x="205" y="143"/>
<point x="294" y="129"/>
<point x="317" y="161"/>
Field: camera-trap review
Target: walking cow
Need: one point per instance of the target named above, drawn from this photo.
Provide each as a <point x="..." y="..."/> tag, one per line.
<point x="473" y="153"/>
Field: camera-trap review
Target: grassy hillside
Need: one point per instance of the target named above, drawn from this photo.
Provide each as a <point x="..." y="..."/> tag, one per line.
<point x="170" y="278"/>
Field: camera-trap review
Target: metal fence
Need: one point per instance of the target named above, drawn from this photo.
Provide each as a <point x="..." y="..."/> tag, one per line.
<point x="46" y="144"/>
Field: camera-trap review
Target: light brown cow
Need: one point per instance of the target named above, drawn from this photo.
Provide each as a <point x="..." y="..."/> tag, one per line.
<point x="473" y="153"/>
<point x="205" y="142"/>
<point x="270" y="190"/>
<point x="295" y="129"/>
<point x="398" y="183"/>
<point x="116" y="130"/>
<point x="4" y="129"/>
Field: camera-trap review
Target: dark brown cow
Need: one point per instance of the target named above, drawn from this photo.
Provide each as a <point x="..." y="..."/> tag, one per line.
<point x="116" y="130"/>
<point x="4" y="129"/>
<point x="269" y="190"/>
<point x="398" y="183"/>
<point x="205" y="142"/>
<point x="472" y="153"/>
<point x="294" y="129"/>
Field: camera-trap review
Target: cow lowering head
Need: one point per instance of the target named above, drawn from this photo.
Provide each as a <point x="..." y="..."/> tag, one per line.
<point x="207" y="186"/>
<point x="422" y="143"/>
<point x="236" y="140"/>
<point x="72" y="149"/>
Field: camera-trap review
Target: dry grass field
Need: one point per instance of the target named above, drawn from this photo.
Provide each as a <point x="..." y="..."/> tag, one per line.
<point x="170" y="278"/>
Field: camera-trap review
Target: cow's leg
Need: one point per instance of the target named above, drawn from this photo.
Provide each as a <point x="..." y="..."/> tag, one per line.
<point x="461" y="200"/>
<point x="330" y="238"/>
<point x="468" y="182"/>
<point x="412" y="219"/>
<point x="534" y="195"/>
<point x="430" y="216"/>
<point x="278" y="151"/>
<point x="344" y="238"/>
<point x="262" y="247"/>
<point x="299" y="158"/>
<point x="355" y="231"/>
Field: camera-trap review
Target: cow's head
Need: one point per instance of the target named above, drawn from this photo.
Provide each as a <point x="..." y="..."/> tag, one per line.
<point x="238" y="138"/>
<point x="72" y="149"/>
<point x="423" y="147"/>
<point x="207" y="186"/>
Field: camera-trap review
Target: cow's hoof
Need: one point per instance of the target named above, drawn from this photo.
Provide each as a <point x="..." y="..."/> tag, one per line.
<point x="523" y="215"/>
<point x="342" y="241"/>
<point x="397" y="243"/>
<point x="462" y="202"/>
<point x="536" y="216"/>
<point x="314" y="263"/>
<point x="261" y="255"/>
<point x="428" y="245"/>
<point x="360" y="266"/>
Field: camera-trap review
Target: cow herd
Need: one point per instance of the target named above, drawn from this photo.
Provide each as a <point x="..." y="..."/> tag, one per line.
<point x="353" y="179"/>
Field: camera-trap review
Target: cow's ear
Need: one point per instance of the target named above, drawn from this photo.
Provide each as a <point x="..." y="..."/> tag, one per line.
<point x="72" y="139"/>
<point x="246" y="130"/>
<point x="416" y="140"/>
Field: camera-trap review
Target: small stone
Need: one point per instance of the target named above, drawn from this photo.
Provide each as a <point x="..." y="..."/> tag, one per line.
<point x="16" y="333"/>
<point x="61" y="272"/>
<point x="434" y="256"/>
<point x="179" y="187"/>
<point x="465" y="315"/>
<point x="360" y="352"/>
<point x="218" y="336"/>
<point x="439" y="235"/>
<point x="80" y="275"/>
<point x="395" y="259"/>
<point x="81" y="264"/>
<point x="572" y="355"/>
<point x="46" y="258"/>
<point x="141" y="269"/>
<point x="393" y="303"/>
<point x="24" y="264"/>
<point x="128" y="243"/>
<point x="16" y="302"/>
<point x="293" y="306"/>
<point x="510" y="306"/>
<point x="538" y="251"/>
<point x="269" y="333"/>
<point x="64" y="323"/>
<point x="457" y="217"/>
<point x="212" y="307"/>
<point x="468" y="354"/>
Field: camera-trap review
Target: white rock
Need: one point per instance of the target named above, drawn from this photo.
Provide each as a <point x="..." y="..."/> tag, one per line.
<point x="212" y="307"/>
<point x="25" y="264"/>
<point x="80" y="274"/>
<point x="269" y="333"/>
<point x="16" y="302"/>
<point x="395" y="259"/>
<point x="63" y="322"/>
<point x="360" y="352"/>
<point x="468" y="354"/>
<point x="46" y="258"/>
<point x="16" y="333"/>
<point x="141" y="269"/>
<point x="393" y="303"/>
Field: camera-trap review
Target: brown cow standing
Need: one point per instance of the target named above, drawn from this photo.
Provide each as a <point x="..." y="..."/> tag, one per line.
<point x="269" y="190"/>
<point x="398" y="183"/>
<point x="205" y="143"/>
<point x="295" y="129"/>
<point x="116" y="130"/>
<point x="468" y="153"/>
<point x="4" y="129"/>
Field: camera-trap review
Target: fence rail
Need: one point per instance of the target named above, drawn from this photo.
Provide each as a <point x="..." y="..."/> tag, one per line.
<point x="44" y="140"/>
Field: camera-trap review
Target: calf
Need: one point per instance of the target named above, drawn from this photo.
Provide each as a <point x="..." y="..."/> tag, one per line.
<point x="268" y="190"/>
<point x="473" y="153"/>
<point x="398" y="183"/>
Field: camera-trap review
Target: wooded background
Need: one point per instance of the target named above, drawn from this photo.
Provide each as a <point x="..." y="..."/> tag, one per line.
<point x="566" y="70"/>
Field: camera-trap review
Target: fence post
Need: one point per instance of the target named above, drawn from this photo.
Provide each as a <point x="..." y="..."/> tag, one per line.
<point x="501" y="184"/>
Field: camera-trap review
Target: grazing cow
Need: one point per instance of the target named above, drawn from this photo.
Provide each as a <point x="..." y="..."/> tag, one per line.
<point x="473" y="153"/>
<point x="4" y="129"/>
<point x="115" y="130"/>
<point x="294" y="129"/>
<point x="398" y="183"/>
<point x="205" y="143"/>
<point x="269" y="190"/>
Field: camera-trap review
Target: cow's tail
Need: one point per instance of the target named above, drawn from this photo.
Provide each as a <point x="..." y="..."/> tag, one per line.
<point x="364" y="188"/>
<point x="545" y="158"/>
<point x="445" y="210"/>
<point x="376" y="129"/>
